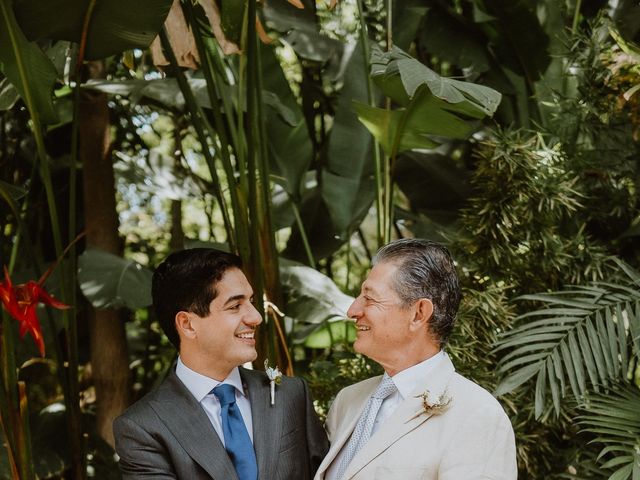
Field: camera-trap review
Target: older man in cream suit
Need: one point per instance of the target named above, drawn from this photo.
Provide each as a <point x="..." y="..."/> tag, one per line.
<point x="421" y="419"/>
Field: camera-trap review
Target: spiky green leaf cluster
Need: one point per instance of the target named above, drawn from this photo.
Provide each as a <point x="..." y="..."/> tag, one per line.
<point x="615" y="420"/>
<point x="582" y="346"/>
<point x="521" y="225"/>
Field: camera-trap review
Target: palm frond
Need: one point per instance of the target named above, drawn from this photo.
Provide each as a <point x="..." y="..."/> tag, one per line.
<point x="614" y="418"/>
<point x="582" y="338"/>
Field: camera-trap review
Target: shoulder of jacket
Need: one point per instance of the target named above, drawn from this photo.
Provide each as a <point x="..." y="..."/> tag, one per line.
<point x="471" y="393"/>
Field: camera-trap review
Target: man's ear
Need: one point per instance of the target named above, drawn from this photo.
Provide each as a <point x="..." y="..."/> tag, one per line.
<point x="424" y="312"/>
<point x="184" y="325"/>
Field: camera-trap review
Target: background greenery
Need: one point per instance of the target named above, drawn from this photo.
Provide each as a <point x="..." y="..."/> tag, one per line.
<point x="303" y="135"/>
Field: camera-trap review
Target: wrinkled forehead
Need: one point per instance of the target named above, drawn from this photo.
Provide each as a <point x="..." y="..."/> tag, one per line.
<point x="380" y="281"/>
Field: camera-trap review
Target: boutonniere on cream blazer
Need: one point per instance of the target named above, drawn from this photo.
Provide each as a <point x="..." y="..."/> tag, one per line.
<point x="433" y="406"/>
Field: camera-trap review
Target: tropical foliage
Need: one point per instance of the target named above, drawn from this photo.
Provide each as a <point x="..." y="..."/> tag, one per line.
<point x="584" y="343"/>
<point x="303" y="135"/>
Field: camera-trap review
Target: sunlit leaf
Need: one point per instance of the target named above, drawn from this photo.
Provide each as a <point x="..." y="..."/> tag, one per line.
<point x="109" y="281"/>
<point x="26" y="66"/>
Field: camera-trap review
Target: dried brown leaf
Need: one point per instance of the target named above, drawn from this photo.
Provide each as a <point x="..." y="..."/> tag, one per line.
<point x="181" y="39"/>
<point x="213" y="14"/>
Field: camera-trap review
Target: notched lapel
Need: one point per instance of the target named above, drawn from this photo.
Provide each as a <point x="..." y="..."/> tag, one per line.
<point x="350" y="417"/>
<point x="191" y="427"/>
<point x="408" y="416"/>
<point x="267" y="421"/>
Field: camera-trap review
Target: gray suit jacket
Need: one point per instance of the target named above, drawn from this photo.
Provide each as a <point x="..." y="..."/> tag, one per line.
<point x="167" y="434"/>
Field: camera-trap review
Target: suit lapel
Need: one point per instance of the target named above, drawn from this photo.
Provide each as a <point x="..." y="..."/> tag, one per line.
<point x="408" y="416"/>
<point x="267" y="421"/>
<point x="348" y="421"/>
<point x="189" y="424"/>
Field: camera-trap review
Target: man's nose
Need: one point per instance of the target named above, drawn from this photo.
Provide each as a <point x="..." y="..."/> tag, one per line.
<point x="355" y="310"/>
<point x="254" y="317"/>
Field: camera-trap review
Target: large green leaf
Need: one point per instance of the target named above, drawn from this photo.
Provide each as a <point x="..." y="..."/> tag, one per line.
<point x="312" y="298"/>
<point x="323" y="235"/>
<point x="301" y="30"/>
<point x="455" y="39"/>
<point x="164" y="92"/>
<point x="518" y="38"/>
<point x="349" y="151"/>
<point x="331" y="333"/>
<point x="116" y="25"/>
<point x="431" y="106"/>
<point x="290" y="149"/>
<point x="437" y="188"/>
<point x="26" y="66"/>
<point x="407" y="17"/>
<point x="109" y="281"/>
<point x="399" y="76"/>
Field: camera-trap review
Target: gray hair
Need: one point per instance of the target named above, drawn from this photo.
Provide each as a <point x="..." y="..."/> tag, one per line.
<point x="425" y="270"/>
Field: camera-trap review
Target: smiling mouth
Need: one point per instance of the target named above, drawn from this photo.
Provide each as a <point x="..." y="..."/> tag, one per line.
<point x="246" y="335"/>
<point x="362" y="328"/>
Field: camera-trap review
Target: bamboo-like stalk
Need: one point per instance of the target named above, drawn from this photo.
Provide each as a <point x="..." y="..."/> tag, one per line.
<point x="268" y="243"/>
<point x="70" y="369"/>
<point x="252" y="136"/>
<point x="212" y="83"/>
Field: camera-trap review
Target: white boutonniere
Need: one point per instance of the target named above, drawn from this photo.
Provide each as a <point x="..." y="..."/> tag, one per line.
<point x="275" y="377"/>
<point x="433" y="406"/>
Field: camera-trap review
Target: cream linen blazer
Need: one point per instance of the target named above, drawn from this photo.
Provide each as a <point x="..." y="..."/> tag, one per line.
<point x="472" y="439"/>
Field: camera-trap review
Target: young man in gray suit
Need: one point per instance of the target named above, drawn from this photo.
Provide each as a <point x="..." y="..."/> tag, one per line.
<point x="211" y="418"/>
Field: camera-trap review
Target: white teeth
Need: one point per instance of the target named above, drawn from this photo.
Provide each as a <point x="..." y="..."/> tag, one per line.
<point x="245" y="335"/>
<point x="363" y="328"/>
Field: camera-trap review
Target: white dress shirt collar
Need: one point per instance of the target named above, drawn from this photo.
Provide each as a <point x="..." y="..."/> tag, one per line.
<point x="408" y="380"/>
<point x="200" y="385"/>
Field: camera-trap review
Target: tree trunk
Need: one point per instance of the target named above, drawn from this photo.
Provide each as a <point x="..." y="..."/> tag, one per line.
<point x="109" y="355"/>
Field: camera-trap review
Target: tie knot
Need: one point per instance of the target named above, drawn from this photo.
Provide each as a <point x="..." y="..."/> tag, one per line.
<point x="225" y="393"/>
<point x="386" y="388"/>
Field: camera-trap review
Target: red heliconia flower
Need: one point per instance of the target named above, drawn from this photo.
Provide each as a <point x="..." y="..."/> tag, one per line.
<point x="21" y="302"/>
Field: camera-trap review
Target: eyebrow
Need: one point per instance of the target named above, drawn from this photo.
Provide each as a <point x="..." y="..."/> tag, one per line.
<point x="367" y="289"/>
<point x="233" y="299"/>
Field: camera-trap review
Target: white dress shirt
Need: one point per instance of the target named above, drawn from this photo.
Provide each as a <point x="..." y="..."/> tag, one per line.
<point x="200" y="385"/>
<point x="407" y="381"/>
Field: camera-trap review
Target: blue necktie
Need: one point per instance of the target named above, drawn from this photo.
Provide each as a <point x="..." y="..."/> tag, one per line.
<point x="236" y="438"/>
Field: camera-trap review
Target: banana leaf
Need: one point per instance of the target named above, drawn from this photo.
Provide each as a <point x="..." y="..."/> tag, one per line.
<point x="115" y="25"/>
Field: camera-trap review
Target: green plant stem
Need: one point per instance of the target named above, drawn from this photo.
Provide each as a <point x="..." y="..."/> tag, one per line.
<point x="303" y="234"/>
<point x="366" y="53"/>
<point x="199" y="120"/>
<point x="388" y="164"/>
<point x="576" y="17"/>
<point x="252" y="135"/>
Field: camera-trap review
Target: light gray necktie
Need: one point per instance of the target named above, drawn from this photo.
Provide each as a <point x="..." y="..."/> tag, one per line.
<point x="362" y="432"/>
